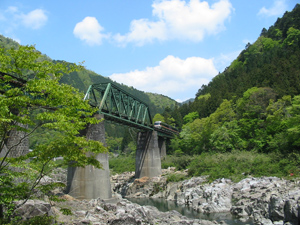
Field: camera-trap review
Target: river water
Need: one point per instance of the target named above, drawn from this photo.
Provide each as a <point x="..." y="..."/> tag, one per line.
<point x="164" y="206"/>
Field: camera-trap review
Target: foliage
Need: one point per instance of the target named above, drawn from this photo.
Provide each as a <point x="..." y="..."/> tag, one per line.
<point x="38" y="220"/>
<point x="158" y="117"/>
<point x="114" y="143"/>
<point x="41" y="102"/>
<point x="81" y="79"/>
<point x="240" y="164"/>
<point x="66" y="211"/>
<point x="179" y="162"/>
<point x="257" y="121"/>
<point x="175" y="177"/>
<point x="271" y="61"/>
<point x="122" y="164"/>
<point x="190" y="117"/>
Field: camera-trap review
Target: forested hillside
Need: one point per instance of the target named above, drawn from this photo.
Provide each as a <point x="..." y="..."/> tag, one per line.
<point x="246" y="121"/>
<point x="254" y="104"/>
<point x="272" y="61"/>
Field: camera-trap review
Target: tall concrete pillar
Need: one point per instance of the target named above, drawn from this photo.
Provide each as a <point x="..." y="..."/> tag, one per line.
<point x="90" y="182"/>
<point x="162" y="147"/>
<point x="17" y="143"/>
<point x="147" y="161"/>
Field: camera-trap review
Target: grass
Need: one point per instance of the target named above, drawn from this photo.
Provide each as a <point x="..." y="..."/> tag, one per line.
<point x="174" y="177"/>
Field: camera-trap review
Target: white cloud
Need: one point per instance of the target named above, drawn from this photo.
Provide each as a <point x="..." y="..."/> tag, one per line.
<point x="278" y="8"/>
<point x="12" y="9"/>
<point x="89" y="30"/>
<point x="174" y="77"/>
<point x="34" y="19"/>
<point x="178" y="19"/>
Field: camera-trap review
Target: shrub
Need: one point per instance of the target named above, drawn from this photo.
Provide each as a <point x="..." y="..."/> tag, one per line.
<point x="180" y="162"/>
<point x="122" y="164"/>
<point x="176" y="177"/>
<point x="240" y="164"/>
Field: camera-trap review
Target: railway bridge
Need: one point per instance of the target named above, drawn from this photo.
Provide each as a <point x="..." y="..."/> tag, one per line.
<point x="115" y="105"/>
<point x="118" y="106"/>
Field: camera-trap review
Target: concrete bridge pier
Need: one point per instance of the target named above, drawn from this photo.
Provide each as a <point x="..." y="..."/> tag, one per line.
<point x="90" y="182"/>
<point x="162" y="147"/>
<point x="17" y="143"/>
<point x="147" y="160"/>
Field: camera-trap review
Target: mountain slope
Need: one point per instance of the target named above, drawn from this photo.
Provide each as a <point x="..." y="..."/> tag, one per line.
<point x="272" y="61"/>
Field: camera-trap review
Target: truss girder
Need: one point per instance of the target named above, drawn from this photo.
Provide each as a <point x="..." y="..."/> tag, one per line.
<point x="119" y="106"/>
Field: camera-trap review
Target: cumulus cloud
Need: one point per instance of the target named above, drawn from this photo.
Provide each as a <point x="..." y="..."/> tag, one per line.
<point x="34" y="19"/>
<point x="89" y="30"/>
<point x="277" y="9"/>
<point x="178" y="19"/>
<point x="174" y="77"/>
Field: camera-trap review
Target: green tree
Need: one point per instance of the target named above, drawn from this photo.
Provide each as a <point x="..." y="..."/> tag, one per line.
<point x="41" y="102"/>
<point x="158" y="117"/>
<point x="190" y="117"/>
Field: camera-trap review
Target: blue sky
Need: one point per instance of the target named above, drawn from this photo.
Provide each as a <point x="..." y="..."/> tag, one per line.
<point x="170" y="47"/>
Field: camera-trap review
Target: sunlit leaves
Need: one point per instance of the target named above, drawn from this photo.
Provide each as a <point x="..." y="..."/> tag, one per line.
<point x="257" y="122"/>
<point x="41" y="104"/>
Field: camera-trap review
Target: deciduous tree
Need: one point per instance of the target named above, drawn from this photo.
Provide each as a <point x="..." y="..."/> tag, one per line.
<point x="39" y="101"/>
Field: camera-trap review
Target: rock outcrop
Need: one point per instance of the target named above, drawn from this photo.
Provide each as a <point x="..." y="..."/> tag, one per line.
<point x="268" y="200"/>
<point x="124" y="212"/>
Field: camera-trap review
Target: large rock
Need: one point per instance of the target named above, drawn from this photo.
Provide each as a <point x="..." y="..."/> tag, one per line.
<point x="265" y="199"/>
<point x="34" y="208"/>
<point x="124" y="212"/>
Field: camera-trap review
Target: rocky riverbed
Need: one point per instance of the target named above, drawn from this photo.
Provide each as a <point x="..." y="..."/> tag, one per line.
<point x="267" y="200"/>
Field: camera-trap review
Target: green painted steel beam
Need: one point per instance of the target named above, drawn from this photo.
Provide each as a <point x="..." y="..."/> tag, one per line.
<point x="121" y="107"/>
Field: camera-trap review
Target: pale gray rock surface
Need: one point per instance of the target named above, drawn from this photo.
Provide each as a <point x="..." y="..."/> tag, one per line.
<point x="97" y="211"/>
<point x="267" y="200"/>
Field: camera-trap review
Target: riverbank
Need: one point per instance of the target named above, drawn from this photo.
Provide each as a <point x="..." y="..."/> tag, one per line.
<point x="267" y="200"/>
<point x="264" y="200"/>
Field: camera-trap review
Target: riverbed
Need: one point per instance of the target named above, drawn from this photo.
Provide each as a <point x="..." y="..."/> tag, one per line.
<point x="164" y="206"/>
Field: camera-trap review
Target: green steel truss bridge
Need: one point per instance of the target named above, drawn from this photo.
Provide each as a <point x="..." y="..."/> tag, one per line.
<point x="123" y="108"/>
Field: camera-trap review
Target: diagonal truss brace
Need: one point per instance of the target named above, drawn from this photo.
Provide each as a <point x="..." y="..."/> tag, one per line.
<point x="119" y="106"/>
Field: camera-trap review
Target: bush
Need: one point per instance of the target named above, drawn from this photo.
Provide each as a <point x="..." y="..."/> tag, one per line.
<point x="240" y="164"/>
<point x="37" y="220"/>
<point x="175" y="177"/>
<point x="180" y="162"/>
<point x="122" y="164"/>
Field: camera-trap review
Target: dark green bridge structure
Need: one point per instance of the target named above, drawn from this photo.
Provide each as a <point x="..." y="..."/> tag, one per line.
<point x="117" y="106"/>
